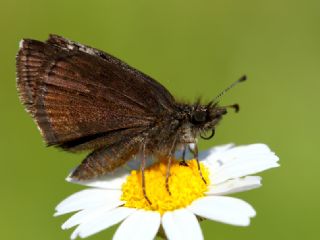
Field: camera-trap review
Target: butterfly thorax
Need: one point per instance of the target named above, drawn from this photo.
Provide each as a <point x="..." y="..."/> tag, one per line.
<point x="181" y="127"/>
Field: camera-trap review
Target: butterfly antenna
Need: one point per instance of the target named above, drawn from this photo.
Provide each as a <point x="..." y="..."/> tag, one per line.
<point x="242" y="79"/>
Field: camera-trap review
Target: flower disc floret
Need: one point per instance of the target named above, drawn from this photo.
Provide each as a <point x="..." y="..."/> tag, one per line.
<point x="185" y="185"/>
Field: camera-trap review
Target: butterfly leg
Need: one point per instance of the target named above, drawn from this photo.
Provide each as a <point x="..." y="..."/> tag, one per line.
<point x="183" y="161"/>
<point x="169" y="165"/>
<point x="142" y="168"/>
<point x="168" y="173"/>
<point x="196" y="156"/>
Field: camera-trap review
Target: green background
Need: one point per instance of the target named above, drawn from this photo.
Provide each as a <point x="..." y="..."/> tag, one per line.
<point x="194" y="48"/>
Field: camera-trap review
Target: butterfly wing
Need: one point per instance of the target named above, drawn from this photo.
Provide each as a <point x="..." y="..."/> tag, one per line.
<point x="83" y="98"/>
<point x="160" y="99"/>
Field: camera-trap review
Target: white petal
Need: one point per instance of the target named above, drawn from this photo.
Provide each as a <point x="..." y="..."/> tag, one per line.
<point x="239" y="161"/>
<point x="203" y="155"/>
<point x="101" y="221"/>
<point x="89" y="198"/>
<point x="141" y="225"/>
<point x="181" y="225"/>
<point x="80" y="217"/>
<point x="113" y="180"/>
<point x="214" y="151"/>
<point x="223" y="209"/>
<point x="85" y="215"/>
<point x="235" y="185"/>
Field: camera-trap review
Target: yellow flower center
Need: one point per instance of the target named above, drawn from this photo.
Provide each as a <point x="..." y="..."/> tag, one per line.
<point x="185" y="184"/>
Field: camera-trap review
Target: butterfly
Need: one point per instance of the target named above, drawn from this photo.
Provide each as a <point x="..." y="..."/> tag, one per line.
<point x="83" y="99"/>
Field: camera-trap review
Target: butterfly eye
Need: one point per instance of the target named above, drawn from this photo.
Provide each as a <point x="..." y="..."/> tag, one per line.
<point x="199" y="117"/>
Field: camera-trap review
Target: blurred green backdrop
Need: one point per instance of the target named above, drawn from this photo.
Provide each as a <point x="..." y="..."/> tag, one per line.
<point x="194" y="48"/>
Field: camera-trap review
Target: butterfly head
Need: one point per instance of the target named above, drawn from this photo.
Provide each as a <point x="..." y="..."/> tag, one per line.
<point x="205" y="118"/>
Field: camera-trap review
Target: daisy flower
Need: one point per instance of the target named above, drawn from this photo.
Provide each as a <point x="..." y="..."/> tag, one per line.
<point x="118" y="197"/>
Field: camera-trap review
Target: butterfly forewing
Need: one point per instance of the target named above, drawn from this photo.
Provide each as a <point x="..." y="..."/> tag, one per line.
<point x="80" y="96"/>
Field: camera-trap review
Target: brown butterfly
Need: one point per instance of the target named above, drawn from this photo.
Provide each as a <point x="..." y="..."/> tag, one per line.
<point x="84" y="99"/>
